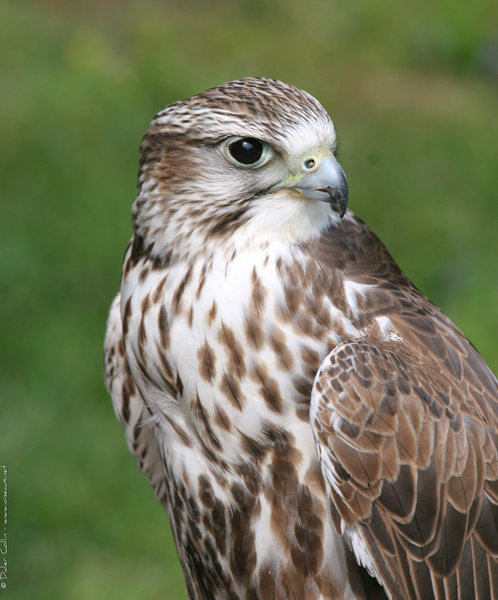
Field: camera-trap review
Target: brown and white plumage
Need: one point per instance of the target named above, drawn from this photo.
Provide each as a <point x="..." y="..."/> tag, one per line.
<point x="313" y="425"/>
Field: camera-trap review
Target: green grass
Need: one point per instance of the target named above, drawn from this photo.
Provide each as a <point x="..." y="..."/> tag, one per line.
<point x="416" y="115"/>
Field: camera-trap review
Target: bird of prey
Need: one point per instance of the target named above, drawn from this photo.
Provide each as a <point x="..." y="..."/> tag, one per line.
<point x="313" y="425"/>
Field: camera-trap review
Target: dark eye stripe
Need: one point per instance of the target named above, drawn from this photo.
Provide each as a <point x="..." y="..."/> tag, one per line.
<point x="246" y="151"/>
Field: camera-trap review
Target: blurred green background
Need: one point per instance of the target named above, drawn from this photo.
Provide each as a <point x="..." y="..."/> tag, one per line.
<point x="412" y="89"/>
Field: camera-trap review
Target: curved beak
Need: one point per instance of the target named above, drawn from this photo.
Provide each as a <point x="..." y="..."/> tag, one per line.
<point x="326" y="183"/>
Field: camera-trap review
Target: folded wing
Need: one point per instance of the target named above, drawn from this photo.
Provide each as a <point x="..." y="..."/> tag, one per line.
<point x="411" y="467"/>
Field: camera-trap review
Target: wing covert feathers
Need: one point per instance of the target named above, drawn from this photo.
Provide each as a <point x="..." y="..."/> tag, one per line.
<point x="410" y="462"/>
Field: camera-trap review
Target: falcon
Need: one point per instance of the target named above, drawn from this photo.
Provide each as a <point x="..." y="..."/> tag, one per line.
<point x="313" y="425"/>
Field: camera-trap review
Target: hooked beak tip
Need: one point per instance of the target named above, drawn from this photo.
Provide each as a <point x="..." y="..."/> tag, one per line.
<point x="326" y="183"/>
<point x="338" y="198"/>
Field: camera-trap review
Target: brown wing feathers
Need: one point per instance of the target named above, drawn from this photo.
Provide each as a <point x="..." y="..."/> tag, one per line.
<point x="414" y="468"/>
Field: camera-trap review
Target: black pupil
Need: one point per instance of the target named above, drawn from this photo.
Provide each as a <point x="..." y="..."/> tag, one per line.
<point x="246" y="151"/>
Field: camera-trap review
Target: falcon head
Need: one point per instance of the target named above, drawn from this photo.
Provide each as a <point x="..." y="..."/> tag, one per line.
<point x="250" y="161"/>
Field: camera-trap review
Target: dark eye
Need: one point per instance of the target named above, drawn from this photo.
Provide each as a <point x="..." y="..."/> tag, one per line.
<point x="246" y="151"/>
